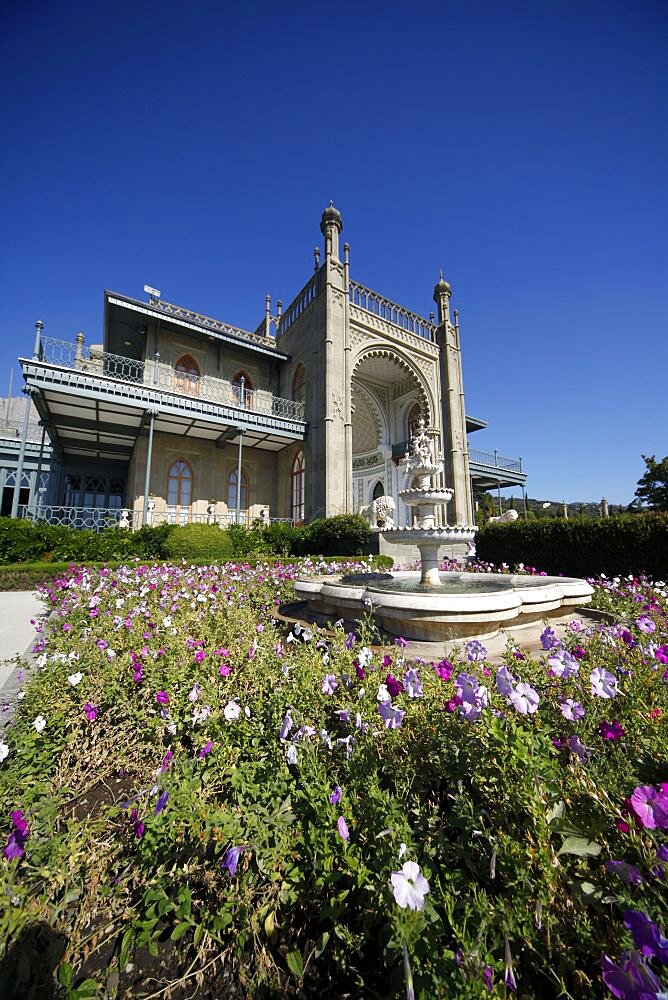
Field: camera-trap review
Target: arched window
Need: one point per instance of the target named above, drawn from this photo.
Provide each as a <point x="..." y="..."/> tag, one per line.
<point x="414" y="420"/>
<point x="187" y="375"/>
<point x="299" y="384"/>
<point x="232" y="497"/>
<point x="378" y="490"/>
<point x="242" y="389"/>
<point x="179" y="492"/>
<point x="297" y="488"/>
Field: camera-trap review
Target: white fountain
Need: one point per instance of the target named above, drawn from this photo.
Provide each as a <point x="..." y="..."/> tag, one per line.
<point x="433" y="605"/>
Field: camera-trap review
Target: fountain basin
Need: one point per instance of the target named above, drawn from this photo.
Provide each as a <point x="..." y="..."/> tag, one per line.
<point x="461" y="606"/>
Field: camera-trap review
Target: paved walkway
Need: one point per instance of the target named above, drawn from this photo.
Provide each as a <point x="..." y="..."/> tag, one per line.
<point x="17" y="635"/>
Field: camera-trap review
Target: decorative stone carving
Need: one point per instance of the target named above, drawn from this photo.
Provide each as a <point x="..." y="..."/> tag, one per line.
<point x="379" y="513"/>
<point x="507" y="518"/>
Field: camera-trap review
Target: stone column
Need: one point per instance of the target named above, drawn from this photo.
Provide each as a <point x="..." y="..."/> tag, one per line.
<point x="455" y="444"/>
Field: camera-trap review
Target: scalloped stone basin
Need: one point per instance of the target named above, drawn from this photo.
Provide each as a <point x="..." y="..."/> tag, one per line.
<point x="461" y="606"/>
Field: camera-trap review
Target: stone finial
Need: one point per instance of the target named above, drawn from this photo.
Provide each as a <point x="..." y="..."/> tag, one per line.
<point x="331" y="226"/>
<point x="442" y="293"/>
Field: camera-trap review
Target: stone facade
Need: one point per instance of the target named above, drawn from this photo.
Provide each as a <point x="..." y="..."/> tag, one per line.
<point x="324" y="394"/>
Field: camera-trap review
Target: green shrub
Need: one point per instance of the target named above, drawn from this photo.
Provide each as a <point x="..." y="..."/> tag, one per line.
<point x="149" y="542"/>
<point x="199" y="542"/>
<point x="279" y="536"/>
<point x="615" y="546"/>
<point x="344" y="534"/>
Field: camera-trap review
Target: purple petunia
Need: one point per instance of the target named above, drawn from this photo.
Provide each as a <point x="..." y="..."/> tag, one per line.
<point x="335" y="797"/>
<point x="548" y="639"/>
<point x="563" y="664"/>
<point x="342" y="827"/>
<point x="161" y="803"/>
<point x="645" y="624"/>
<point x="473" y="696"/>
<point x="603" y="683"/>
<point x="206" y="749"/>
<point x="393" y="685"/>
<point x="611" y="730"/>
<point x="329" y="684"/>
<point x="572" y="710"/>
<point x="475" y="651"/>
<point x="14" y="848"/>
<point x="524" y="699"/>
<point x="90" y="711"/>
<point x="392" y="717"/>
<point x="231" y="860"/>
<point x="632" y="979"/>
<point x="412" y="684"/>
<point x="504" y="681"/>
<point x="444" y="670"/>
<point x="628" y="873"/>
<point x="646" y="935"/>
<point x="650" y="806"/>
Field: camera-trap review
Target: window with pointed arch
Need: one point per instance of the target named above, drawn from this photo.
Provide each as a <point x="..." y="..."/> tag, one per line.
<point x="299" y="384"/>
<point x="414" y="415"/>
<point x="187" y="375"/>
<point x="242" y="390"/>
<point x="243" y="497"/>
<point x="179" y="492"/>
<point x="378" y="490"/>
<point x="297" y="489"/>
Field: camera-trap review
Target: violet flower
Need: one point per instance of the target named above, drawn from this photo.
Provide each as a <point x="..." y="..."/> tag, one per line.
<point x="231" y="860"/>
<point x="394" y="687"/>
<point x="631" y="979"/>
<point x="206" y="749"/>
<point x="392" y="717"/>
<point x="603" y="683"/>
<point x="342" y="827"/>
<point x="504" y="681"/>
<point x="524" y="699"/>
<point x="475" y="651"/>
<point x="572" y="710"/>
<point x="329" y="684"/>
<point x="14" y="848"/>
<point x="548" y="639"/>
<point x="161" y="803"/>
<point x="646" y="935"/>
<point x="650" y="806"/>
<point x="335" y="797"/>
<point x="91" y="711"/>
<point x="412" y="684"/>
<point x="626" y="872"/>
<point x="611" y="730"/>
<point x="562" y="664"/>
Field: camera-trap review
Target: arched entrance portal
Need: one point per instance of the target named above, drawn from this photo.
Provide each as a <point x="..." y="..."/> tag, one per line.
<point x="387" y="392"/>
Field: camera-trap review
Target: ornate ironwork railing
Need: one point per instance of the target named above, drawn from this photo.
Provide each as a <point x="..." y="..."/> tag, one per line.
<point x="391" y="312"/>
<point x="209" y="388"/>
<point x="98" y="518"/>
<point x="179" y="312"/>
<point x="495" y="461"/>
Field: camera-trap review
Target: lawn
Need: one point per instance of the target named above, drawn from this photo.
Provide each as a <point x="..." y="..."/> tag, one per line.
<point x="200" y="800"/>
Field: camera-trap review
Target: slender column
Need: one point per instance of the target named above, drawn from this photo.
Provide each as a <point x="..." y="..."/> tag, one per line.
<point x="498" y="490"/>
<point x="37" y="350"/>
<point x="22" y="452"/>
<point x="149" y="456"/>
<point x="524" y="502"/>
<point x="241" y="447"/>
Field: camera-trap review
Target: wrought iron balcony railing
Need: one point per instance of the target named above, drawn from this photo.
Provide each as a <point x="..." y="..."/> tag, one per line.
<point x="154" y="373"/>
<point x="495" y="461"/>
<point x="98" y="518"/>
<point x="374" y="303"/>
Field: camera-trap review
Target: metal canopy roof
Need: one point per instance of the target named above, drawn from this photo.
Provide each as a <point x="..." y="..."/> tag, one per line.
<point x="97" y="416"/>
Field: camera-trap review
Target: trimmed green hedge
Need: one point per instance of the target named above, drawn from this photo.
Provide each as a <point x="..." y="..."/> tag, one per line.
<point x="616" y="546"/>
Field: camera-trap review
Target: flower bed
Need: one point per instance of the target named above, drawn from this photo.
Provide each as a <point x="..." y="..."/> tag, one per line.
<point x="199" y="801"/>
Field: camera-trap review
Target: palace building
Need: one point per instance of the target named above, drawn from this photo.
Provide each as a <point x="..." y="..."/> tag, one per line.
<point x="177" y="416"/>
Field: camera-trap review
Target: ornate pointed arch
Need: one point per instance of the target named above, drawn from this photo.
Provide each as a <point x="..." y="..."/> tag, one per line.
<point x="394" y="356"/>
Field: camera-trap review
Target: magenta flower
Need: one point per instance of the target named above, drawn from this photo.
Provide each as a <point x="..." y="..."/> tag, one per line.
<point x="401" y="642"/>
<point x="200" y="655"/>
<point x="342" y="827"/>
<point x="224" y="670"/>
<point x="611" y="730"/>
<point x="231" y="859"/>
<point x="137" y="823"/>
<point x="335" y="797"/>
<point x="138" y="673"/>
<point x="661" y="653"/>
<point x="645" y="624"/>
<point x="628" y="873"/>
<point x="91" y="711"/>
<point x="14" y="848"/>
<point x="444" y="670"/>
<point x="162" y="698"/>
<point x="393" y="686"/>
<point x="207" y="748"/>
<point x="166" y="761"/>
<point x="650" y="806"/>
<point x="387" y="661"/>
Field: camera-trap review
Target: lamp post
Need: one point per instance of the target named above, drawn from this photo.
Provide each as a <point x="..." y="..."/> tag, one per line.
<point x="242" y="402"/>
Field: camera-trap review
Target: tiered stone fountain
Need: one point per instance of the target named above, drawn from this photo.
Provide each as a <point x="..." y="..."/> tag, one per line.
<point x="433" y="605"/>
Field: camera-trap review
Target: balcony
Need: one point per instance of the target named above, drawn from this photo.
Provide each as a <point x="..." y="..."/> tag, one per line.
<point x="488" y="469"/>
<point x="96" y="404"/>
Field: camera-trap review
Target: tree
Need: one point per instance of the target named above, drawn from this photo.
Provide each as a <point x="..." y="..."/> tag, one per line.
<point x="653" y="486"/>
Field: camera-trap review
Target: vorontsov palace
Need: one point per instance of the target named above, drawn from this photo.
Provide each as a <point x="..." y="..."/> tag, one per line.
<point x="179" y="416"/>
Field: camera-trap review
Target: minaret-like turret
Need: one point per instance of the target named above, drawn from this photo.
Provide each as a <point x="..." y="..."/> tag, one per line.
<point x="331" y="225"/>
<point x="442" y="293"/>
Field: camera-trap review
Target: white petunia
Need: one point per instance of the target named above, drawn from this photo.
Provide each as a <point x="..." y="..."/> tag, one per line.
<point x="409" y="886"/>
<point x="232" y="711"/>
<point x="4" y="752"/>
<point x="75" y="679"/>
<point x="39" y="723"/>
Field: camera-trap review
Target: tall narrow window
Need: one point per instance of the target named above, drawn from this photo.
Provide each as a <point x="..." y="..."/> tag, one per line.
<point x="243" y="497"/>
<point x="414" y="421"/>
<point x="299" y="384"/>
<point x="242" y="389"/>
<point x="187" y="375"/>
<point x="378" y="490"/>
<point x="179" y="492"/>
<point x="297" y="488"/>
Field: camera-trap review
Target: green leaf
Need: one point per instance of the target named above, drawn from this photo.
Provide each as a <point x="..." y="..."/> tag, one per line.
<point x="180" y="930"/>
<point x="295" y="963"/>
<point x="65" y="974"/>
<point x="321" y="943"/>
<point x="556" y="812"/>
<point x="580" y="846"/>
<point x="126" y="945"/>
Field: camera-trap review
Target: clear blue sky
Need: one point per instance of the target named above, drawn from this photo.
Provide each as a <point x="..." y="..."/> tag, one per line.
<point x="523" y="147"/>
